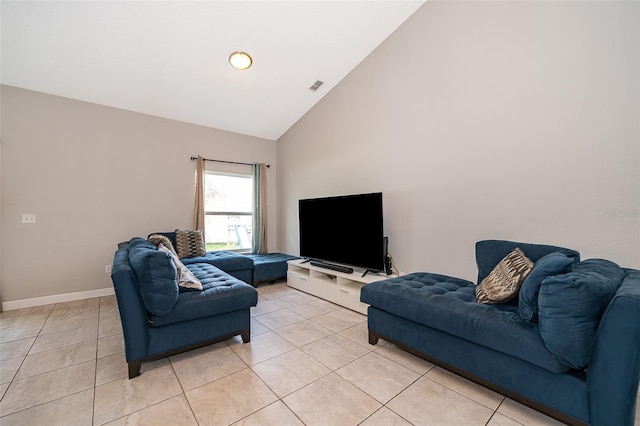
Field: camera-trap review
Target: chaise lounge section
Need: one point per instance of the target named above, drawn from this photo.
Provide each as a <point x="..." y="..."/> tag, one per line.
<point x="269" y="267"/>
<point x="569" y="347"/>
<point x="252" y="268"/>
<point x="234" y="264"/>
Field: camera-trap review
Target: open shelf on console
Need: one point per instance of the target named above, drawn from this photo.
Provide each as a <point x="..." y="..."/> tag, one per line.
<point x="335" y="286"/>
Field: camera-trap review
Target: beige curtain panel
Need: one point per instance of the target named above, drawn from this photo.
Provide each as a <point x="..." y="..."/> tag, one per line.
<point x="198" y="208"/>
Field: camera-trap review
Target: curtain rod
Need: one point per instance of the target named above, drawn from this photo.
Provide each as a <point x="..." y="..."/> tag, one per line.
<point x="228" y="162"/>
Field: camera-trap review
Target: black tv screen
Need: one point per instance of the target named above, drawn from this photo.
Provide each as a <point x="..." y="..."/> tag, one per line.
<point x="346" y="230"/>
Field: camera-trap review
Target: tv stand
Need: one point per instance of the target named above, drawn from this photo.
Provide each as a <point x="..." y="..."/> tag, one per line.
<point x="341" y="288"/>
<point x="332" y="266"/>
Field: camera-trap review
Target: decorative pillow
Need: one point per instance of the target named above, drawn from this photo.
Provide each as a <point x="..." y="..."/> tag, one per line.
<point x="490" y="252"/>
<point x="190" y="243"/>
<point x="571" y="305"/>
<point x="156" y="275"/>
<point x="552" y="264"/>
<point x="157" y="240"/>
<point x="503" y="283"/>
<point x="185" y="277"/>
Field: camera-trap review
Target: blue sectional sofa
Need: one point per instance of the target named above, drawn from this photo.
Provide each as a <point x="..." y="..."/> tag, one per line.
<point x="159" y="318"/>
<point x="269" y="267"/>
<point x="568" y="346"/>
<point x="252" y="269"/>
<point x="234" y="264"/>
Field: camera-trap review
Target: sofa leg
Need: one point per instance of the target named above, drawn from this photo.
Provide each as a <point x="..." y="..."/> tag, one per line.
<point x="246" y="335"/>
<point x="134" y="369"/>
<point x="373" y="339"/>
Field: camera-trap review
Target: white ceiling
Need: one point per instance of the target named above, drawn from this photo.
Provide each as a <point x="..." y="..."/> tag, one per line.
<point x="169" y="58"/>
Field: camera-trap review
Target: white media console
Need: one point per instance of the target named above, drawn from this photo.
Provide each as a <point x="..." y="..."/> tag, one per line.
<point x="338" y="287"/>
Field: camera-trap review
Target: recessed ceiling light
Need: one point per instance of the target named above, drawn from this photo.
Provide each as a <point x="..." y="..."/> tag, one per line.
<point x="240" y="60"/>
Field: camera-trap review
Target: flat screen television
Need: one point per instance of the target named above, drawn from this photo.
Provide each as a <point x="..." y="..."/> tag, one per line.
<point x="347" y="230"/>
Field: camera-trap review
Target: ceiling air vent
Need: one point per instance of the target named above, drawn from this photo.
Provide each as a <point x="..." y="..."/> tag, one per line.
<point x="316" y="85"/>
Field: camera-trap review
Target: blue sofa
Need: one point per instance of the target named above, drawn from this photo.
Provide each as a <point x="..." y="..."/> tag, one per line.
<point x="236" y="265"/>
<point x="270" y="267"/>
<point x="253" y="269"/>
<point x="568" y="346"/>
<point x="159" y="318"/>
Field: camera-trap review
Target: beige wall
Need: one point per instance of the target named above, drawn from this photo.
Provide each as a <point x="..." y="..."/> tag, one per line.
<point x="95" y="176"/>
<point x="515" y="120"/>
<point x="509" y="120"/>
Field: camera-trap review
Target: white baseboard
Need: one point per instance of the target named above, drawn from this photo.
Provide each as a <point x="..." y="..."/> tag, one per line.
<point x="56" y="298"/>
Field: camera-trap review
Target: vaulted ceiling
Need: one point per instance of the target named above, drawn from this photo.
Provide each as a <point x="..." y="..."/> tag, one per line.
<point x="170" y="58"/>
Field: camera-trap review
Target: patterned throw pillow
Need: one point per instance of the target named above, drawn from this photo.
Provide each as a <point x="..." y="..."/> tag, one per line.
<point x="156" y="240"/>
<point x="190" y="243"/>
<point x="503" y="283"/>
<point x="184" y="276"/>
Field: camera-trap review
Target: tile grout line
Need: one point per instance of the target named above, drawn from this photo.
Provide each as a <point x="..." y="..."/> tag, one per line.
<point x="13" y="378"/>
<point x="95" y="373"/>
<point x="420" y="375"/>
<point x="354" y="332"/>
<point x="35" y="375"/>
<point x="281" y="398"/>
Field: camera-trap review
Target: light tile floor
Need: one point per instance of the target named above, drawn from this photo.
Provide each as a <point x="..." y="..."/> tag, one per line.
<point x="308" y="363"/>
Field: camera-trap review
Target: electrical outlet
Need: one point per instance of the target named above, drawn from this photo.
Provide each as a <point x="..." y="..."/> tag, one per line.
<point x="28" y="218"/>
<point x="107" y="269"/>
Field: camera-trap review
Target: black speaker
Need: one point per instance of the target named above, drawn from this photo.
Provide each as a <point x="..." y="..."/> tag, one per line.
<point x="387" y="259"/>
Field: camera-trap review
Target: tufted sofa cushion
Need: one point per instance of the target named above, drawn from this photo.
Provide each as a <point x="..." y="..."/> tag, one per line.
<point x="449" y="304"/>
<point x="225" y="260"/>
<point x="221" y="293"/>
<point x="156" y="275"/>
<point x="571" y="305"/>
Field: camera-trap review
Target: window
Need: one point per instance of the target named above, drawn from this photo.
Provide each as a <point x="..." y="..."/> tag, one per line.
<point x="228" y="211"/>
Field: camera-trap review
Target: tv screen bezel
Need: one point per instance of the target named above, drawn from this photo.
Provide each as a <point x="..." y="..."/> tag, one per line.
<point x="368" y="261"/>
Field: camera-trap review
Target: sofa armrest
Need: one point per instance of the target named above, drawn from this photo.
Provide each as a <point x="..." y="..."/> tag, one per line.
<point x="133" y="314"/>
<point x="614" y="367"/>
